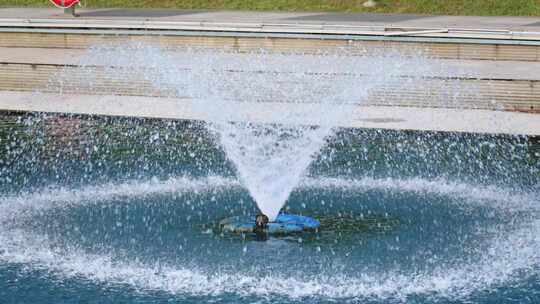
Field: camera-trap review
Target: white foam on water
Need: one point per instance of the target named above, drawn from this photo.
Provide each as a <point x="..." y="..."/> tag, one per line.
<point x="511" y="256"/>
<point x="46" y="198"/>
<point x="43" y="199"/>
<point x="469" y="194"/>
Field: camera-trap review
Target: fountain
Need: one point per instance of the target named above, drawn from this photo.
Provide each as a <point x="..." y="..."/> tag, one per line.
<point x="120" y="209"/>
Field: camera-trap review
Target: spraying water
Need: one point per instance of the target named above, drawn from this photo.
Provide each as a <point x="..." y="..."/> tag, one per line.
<point x="446" y="238"/>
<point x="434" y="217"/>
<point x="239" y="95"/>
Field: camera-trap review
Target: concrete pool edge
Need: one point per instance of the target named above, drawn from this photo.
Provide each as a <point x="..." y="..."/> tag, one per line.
<point x="370" y="117"/>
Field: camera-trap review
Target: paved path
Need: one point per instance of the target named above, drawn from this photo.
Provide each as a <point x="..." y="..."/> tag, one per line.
<point x="401" y="20"/>
<point x="397" y="118"/>
<point x="529" y="24"/>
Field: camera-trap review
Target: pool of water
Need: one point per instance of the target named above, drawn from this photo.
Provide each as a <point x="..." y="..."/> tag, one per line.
<point x="117" y="210"/>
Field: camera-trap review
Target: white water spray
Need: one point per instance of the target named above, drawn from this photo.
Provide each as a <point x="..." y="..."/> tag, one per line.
<point x="271" y="159"/>
<point x="239" y="95"/>
<point x="508" y="256"/>
<point x="241" y="98"/>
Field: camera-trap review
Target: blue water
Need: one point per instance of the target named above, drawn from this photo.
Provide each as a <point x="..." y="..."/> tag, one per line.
<point x="116" y="210"/>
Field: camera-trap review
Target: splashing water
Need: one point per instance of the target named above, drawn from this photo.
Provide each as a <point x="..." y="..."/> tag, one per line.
<point x="240" y="96"/>
<point x="271" y="158"/>
<point x="459" y="236"/>
<point x="506" y="254"/>
<point x="272" y="168"/>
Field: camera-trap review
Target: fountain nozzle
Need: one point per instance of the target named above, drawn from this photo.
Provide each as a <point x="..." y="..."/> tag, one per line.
<point x="261" y="222"/>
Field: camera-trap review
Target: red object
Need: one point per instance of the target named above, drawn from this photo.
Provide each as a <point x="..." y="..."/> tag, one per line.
<point x="65" y="3"/>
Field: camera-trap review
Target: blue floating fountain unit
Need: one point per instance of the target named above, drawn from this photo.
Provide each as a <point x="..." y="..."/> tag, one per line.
<point x="284" y="224"/>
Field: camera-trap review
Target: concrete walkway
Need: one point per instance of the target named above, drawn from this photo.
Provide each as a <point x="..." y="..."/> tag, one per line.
<point x="515" y="28"/>
<point x="309" y="18"/>
<point x="379" y="117"/>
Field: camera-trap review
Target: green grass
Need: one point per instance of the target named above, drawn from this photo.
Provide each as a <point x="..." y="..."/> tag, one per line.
<point x="433" y="7"/>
